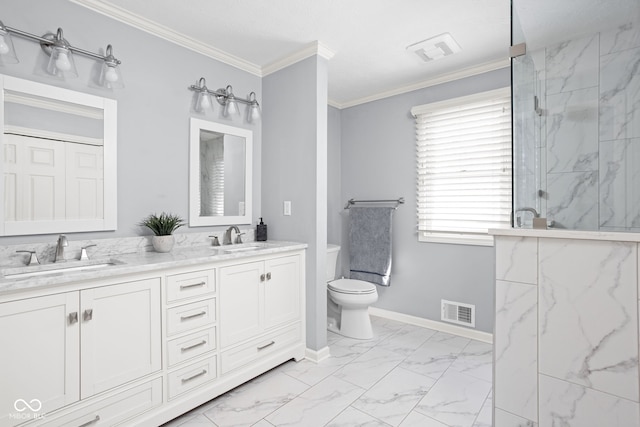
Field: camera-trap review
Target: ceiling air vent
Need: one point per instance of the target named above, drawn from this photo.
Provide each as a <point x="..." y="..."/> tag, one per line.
<point x="457" y="312"/>
<point x="435" y="48"/>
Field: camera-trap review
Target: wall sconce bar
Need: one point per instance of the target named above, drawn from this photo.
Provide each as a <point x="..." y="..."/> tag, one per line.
<point x="60" y="51"/>
<point x="226" y="98"/>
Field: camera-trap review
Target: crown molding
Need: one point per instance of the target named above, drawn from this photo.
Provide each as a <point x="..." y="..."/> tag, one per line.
<point x="168" y="34"/>
<point x="313" y="48"/>
<point x="449" y="77"/>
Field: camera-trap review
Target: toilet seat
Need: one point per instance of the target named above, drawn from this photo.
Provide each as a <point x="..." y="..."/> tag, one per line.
<point x="351" y="286"/>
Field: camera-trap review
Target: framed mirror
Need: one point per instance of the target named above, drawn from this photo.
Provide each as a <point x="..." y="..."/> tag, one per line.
<point x="220" y="166"/>
<point x="59" y="159"/>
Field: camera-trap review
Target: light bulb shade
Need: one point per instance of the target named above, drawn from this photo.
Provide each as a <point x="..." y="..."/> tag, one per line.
<point x="231" y="107"/>
<point x="61" y="62"/>
<point x="7" y="51"/>
<point x="203" y="102"/>
<point x="254" y="113"/>
<point x="110" y="76"/>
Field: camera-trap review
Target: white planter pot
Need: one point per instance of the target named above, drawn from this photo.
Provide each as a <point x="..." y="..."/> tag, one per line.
<point x="163" y="243"/>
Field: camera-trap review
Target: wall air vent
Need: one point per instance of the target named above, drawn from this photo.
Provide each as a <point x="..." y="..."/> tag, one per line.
<point x="435" y="48"/>
<point x="457" y="312"/>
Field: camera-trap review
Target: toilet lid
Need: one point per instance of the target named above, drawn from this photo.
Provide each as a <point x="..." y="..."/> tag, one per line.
<point x="351" y="286"/>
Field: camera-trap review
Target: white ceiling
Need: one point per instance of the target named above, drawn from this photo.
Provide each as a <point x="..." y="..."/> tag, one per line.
<point x="368" y="37"/>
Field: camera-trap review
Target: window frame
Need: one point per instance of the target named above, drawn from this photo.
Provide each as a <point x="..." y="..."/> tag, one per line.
<point x="453" y="237"/>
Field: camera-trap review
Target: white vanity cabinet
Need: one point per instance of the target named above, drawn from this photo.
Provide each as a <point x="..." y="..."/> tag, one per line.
<point x="258" y="298"/>
<point x="191" y="319"/>
<point x="144" y="348"/>
<point x="61" y="348"/>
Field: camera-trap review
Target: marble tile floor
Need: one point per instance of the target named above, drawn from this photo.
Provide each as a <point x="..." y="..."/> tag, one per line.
<point x="407" y="376"/>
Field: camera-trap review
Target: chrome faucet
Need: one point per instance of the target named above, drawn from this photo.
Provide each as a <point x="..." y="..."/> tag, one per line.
<point x="532" y="210"/>
<point x="62" y="243"/>
<point x="227" y="235"/>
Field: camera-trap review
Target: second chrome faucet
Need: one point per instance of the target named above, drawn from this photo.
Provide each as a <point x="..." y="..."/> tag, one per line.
<point x="62" y="243"/>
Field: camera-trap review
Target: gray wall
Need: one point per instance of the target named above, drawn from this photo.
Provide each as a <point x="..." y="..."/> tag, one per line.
<point x="294" y="162"/>
<point x="153" y="108"/>
<point x="334" y="183"/>
<point x="378" y="162"/>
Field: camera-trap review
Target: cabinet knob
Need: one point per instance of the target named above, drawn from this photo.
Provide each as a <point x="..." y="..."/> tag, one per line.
<point x="87" y="315"/>
<point x="73" y="317"/>
<point x="269" y="276"/>
<point x="262" y="276"/>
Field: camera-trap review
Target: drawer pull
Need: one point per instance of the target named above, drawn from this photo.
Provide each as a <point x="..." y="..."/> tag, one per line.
<point x="193" y="377"/>
<point x="191" y="347"/>
<point x="263" y="346"/>
<point x="87" y="315"/>
<point x="193" y="316"/>
<point x="93" y="421"/>
<point x="194" y="285"/>
<point x="73" y="317"/>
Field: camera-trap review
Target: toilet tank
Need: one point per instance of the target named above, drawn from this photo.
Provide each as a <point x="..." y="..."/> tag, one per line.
<point x="332" y="261"/>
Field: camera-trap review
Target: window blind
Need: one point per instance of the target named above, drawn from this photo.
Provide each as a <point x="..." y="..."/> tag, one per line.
<point x="464" y="165"/>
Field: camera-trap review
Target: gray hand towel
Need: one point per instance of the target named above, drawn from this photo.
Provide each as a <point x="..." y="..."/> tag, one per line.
<point x="370" y="244"/>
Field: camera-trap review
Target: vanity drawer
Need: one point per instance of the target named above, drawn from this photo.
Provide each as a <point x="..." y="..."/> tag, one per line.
<point x="190" y="316"/>
<point x="190" y="346"/>
<point x="192" y="284"/>
<point x="259" y="347"/>
<point x="111" y="410"/>
<point x="189" y="377"/>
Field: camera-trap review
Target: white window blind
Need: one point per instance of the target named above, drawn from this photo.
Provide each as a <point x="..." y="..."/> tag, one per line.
<point x="464" y="167"/>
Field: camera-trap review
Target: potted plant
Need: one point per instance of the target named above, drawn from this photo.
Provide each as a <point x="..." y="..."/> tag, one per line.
<point x="163" y="226"/>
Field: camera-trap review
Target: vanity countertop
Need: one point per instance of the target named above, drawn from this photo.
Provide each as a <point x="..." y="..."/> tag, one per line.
<point x="139" y="263"/>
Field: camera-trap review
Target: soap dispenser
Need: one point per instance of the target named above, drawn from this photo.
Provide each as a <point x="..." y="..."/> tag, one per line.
<point x="261" y="232"/>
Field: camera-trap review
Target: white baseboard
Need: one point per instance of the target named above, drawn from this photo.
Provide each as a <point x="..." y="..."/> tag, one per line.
<point x="317" y="356"/>
<point x="432" y="324"/>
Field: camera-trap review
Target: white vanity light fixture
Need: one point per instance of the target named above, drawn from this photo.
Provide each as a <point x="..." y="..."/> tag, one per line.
<point x="226" y="98"/>
<point x="61" y="62"/>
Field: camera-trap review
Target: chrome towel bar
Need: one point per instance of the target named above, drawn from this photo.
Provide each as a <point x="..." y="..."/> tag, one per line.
<point x="397" y="201"/>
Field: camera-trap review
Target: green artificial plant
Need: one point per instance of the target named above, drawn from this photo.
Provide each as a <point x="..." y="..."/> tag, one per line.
<point x="164" y="224"/>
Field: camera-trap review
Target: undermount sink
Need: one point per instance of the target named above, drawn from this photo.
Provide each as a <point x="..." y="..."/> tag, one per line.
<point x="58" y="268"/>
<point x="241" y="247"/>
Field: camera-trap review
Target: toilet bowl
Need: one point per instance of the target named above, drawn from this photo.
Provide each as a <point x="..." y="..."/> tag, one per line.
<point x="348" y="302"/>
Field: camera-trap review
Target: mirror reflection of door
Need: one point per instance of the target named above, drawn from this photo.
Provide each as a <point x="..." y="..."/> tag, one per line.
<point x="54" y="160"/>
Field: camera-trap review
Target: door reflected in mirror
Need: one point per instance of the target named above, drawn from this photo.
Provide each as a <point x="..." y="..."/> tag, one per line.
<point x="59" y="159"/>
<point x="220" y="174"/>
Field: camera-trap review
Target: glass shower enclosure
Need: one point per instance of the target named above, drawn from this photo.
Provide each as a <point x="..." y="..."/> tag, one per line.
<point x="576" y="114"/>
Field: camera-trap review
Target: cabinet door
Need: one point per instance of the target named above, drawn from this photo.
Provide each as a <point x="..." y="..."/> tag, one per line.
<point x="120" y="334"/>
<point x="39" y="356"/>
<point x="282" y="291"/>
<point x="240" y="302"/>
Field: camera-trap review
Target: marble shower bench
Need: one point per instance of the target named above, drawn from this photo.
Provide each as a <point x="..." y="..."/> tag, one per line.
<point x="566" y="328"/>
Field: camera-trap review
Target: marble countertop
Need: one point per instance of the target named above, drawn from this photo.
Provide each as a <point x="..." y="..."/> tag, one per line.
<point x="567" y="234"/>
<point x="135" y="263"/>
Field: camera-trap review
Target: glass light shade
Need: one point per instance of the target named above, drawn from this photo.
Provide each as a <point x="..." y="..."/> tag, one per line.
<point x="231" y="107"/>
<point x="110" y="76"/>
<point x="61" y="62"/>
<point x="254" y="112"/>
<point x="203" y="102"/>
<point x="7" y="51"/>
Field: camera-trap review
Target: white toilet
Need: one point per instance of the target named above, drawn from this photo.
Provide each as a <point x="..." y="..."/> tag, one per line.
<point x="348" y="301"/>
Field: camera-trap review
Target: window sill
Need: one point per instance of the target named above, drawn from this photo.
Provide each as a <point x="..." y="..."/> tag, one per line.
<point x="457" y="239"/>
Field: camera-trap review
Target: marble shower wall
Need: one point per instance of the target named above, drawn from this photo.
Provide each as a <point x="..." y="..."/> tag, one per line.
<point x="566" y="332"/>
<point x="590" y="131"/>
